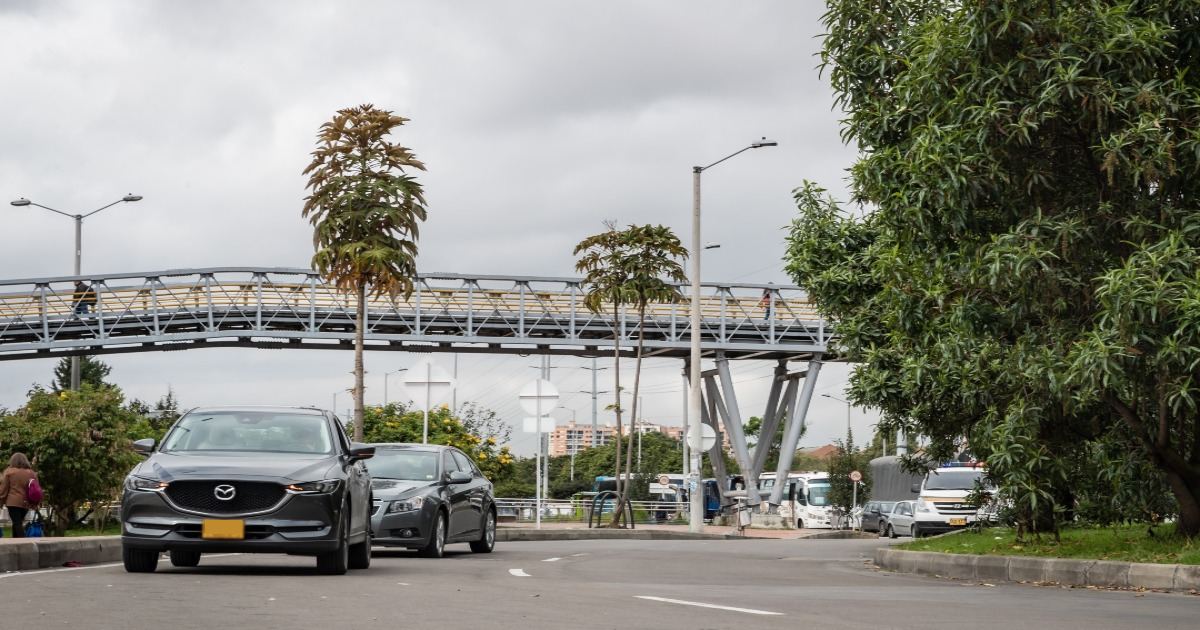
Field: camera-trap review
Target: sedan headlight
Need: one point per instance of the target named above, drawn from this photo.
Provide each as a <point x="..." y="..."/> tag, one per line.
<point x="314" y="487"/>
<point x="406" y="505"/>
<point x="144" y="484"/>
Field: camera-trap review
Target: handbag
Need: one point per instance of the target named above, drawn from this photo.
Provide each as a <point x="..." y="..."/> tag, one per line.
<point x="33" y="492"/>
<point x="34" y="529"/>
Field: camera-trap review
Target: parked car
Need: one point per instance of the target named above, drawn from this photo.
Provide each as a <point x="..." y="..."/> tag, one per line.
<point x="249" y="480"/>
<point x="428" y="496"/>
<point x="875" y="514"/>
<point x="914" y="518"/>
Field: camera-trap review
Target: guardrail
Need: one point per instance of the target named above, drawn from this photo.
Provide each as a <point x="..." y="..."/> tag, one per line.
<point x="579" y="510"/>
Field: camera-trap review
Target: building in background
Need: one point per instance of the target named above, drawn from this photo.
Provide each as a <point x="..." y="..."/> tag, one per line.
<point x="571" y="438"/>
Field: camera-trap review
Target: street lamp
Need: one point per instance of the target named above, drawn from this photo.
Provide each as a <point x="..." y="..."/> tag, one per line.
<point x="696" y="513"/>
<point x="385" y="383"/>
<point x="22" y="202"/>
<point x="848" y="406"/>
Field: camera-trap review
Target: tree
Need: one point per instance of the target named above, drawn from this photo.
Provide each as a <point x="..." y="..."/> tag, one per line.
<point x="91" y="371"/>
<point x="1023" y="275"/>
<point x="78" y="443"/>
<point x="605" y="278"/>
<point x="365" y="211"/>
<point x="652" y="259"/>
<point x="845" y="460"/>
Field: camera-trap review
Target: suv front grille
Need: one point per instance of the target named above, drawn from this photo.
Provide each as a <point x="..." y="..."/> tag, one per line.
<point x="200" y="496"/>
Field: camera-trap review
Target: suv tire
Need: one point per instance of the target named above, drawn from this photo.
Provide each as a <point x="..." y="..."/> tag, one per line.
<point x="185" y="558"/>
<point x="337" y="562"/>
<point x="139" y="560"/>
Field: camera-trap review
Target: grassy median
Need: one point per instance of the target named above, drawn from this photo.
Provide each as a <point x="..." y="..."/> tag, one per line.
<point x="1130" y="543"/>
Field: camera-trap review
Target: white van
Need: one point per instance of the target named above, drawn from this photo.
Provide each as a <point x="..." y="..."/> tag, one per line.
<point x="942" y="496"/>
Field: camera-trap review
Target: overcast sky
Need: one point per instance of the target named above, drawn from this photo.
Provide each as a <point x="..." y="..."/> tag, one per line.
<point x="537" y="120"/>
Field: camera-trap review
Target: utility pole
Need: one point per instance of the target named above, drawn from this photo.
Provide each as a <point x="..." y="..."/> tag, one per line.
<point x="595" y="394"/>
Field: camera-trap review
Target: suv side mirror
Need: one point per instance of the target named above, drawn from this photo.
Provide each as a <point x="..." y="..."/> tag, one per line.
<point x="458" y="476"/>
<point x="144" y="447"/>
<point x="916" y="487"/>
<point x="359" y="452"/>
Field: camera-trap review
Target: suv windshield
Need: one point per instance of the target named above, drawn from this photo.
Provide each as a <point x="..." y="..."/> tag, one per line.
<point x="250" y="431"/>
<point x="953" y="479"/>
<point x="410" y="465"/>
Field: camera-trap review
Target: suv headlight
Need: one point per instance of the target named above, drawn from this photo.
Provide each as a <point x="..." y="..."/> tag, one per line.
<point x="314" y="487"/>
<point x="145" y="484"/>
<point x="926" y="506"/>
<point x="406" y="505"/>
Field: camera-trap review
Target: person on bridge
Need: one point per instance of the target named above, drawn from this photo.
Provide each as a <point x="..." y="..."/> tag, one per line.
<point x="765" y="303"/>
<point x="13" y="491"/>
<point x="84" y="296"/>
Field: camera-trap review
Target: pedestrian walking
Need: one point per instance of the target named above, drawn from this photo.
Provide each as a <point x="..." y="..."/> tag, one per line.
<point x="14" y="490"/>
<point x="85" y="296"/>
<point x="765" y="303"/>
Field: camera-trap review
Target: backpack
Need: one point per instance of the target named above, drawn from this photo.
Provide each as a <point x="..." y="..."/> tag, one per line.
<point x="33" y="492"/>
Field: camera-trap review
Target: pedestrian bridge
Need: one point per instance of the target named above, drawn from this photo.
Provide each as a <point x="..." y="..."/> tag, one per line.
<point x="262" y="307"/>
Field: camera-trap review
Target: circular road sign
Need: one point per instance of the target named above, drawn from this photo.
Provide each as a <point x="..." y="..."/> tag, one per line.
<point x="707" y="439"/>
<point x="427" y="385"/>
<point x="855" y="476"/>
<point x="539" y="397"/>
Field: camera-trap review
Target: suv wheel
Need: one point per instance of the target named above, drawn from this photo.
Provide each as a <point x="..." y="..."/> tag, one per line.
<point x="139" y="560"/>
<point x="184" y="558"/>
<point x="487" y="541"/>
<point x="360" y="554"/>
<point x="337" y="562"/>
<point x="437" y="538"/>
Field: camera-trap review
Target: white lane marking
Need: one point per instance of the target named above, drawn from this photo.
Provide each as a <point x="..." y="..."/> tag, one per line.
<point x="518" y="573"/>
<point x="551" y="559"/>
<point x="401" y="583"/>
<point x="703" y="605"/>
<point x="576" y="555"/>
<point x="95" y="566"/>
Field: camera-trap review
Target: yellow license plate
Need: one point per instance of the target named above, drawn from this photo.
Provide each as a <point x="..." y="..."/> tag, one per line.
<point x="213" y="529"/>
<point x="958" y="521"/>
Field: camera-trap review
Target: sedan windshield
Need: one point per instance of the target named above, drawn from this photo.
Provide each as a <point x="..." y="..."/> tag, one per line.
<point x="250" y="431"/>
<point x="409" y="465"/>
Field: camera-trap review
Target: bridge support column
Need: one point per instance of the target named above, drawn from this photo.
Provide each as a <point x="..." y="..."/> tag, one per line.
<point x="727" y="407"/>
<point x="795" y="427"/>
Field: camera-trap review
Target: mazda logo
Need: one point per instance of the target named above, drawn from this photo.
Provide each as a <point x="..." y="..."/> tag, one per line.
<point x="224" y="492"/>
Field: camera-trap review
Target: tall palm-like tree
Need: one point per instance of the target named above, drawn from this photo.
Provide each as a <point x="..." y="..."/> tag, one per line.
<point x="601" y="261"/>
<point x="653" y="261"/>
<point x="365" y="210"/>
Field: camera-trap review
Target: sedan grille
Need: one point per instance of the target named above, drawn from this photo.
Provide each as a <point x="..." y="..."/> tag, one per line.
<point x="201" y="496"/>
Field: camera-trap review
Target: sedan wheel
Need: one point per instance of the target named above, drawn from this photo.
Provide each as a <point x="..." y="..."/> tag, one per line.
<point x="437" y="539"/>
<point x="891" y="532"/>
<point x="916" y="530"/>
<point x="487" y="541"/>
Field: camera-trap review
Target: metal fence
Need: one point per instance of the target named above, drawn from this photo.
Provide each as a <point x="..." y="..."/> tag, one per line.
<point x="577" y="510"/>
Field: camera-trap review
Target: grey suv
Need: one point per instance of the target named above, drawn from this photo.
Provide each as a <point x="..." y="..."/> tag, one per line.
<point x="249" y="480"/>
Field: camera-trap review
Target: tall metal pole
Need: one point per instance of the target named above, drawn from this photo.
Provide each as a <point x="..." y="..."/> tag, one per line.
<point x="696" y="511"/>
<point x="595" y="425"/>
<point x="684" y="390"/>
<point x="454" y="391"/>
<point x="76" y="368"/>
<point x="428" y="396"/>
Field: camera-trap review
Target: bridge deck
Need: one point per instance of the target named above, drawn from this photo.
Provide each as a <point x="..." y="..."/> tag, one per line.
<point x="294" y="308"/>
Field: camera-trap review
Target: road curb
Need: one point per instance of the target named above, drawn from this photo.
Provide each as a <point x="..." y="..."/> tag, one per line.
<point x="1067" y="572"/>
<point x="513" y="534"/>
<point x="41" y="553"/>
<point x="840" y="534"/>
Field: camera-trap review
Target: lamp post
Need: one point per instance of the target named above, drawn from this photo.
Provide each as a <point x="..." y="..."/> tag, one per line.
<point x="385" y="383"/>
<point x="22" y="202"/>
<point x="696" y="513"/>
<point x="848" y="406"/>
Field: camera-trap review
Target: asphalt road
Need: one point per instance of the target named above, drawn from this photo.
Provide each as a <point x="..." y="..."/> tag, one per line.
<point x="624" y="584"/>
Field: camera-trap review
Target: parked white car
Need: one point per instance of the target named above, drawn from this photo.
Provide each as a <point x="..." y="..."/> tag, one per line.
<point x="913" y="518"/>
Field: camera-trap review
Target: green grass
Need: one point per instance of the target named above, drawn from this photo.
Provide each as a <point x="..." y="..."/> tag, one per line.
<point x="1130" y="543"/>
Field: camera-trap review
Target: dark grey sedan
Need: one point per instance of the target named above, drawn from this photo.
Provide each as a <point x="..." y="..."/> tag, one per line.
<point x="427" y="496"/>
<point x="874" y="515"/>
<point x="249" y="480"/>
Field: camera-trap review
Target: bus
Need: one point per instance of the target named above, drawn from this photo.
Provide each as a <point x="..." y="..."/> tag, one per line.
<point x="805" y="500"/>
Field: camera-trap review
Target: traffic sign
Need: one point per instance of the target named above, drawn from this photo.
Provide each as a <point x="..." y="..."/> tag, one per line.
<point x="706" y="439"/>
<point x="664" y="480"/>
<point x="531" y="425"/>
<point x="855" y="476"/>
<point x="539" y="397"/>
<point x="427" y="385"/>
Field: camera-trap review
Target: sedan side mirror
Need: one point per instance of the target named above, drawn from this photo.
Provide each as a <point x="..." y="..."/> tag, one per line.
<point x="359" y="452"/>
<point x="144" y="447"/>
<point x="458" y="476"/>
